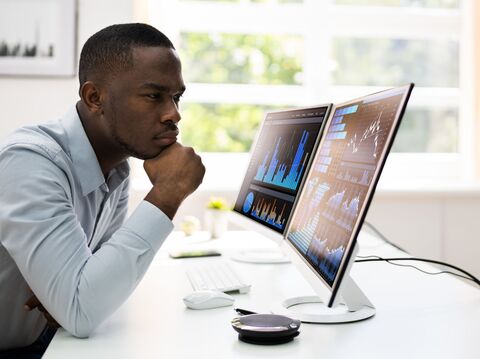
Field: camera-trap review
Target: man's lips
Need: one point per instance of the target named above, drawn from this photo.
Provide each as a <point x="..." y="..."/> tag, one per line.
<point x="166" y="138"/>
<point x="167" y="134"/>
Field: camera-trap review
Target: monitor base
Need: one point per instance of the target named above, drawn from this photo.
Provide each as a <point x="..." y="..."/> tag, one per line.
<point x="261" y="256"/>
<point x="311" y="309"/>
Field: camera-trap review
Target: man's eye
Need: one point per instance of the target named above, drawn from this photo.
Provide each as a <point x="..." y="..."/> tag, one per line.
<point x="153" y="96"/>
<point x="177" y="98"/>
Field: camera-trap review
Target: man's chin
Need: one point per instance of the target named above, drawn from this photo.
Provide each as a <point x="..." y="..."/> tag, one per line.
<point x="144" y="154"/>
<point x="147" y="156"/>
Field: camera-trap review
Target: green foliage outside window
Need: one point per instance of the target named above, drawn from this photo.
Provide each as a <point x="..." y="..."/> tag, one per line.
<point x="219" y="58"/>
<point x="392" y="62"/>
<point x="242" y="59"/>
<point x="220" y="127"/>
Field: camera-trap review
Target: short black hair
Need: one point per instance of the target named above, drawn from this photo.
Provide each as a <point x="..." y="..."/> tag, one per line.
<point x="110" y="49"/>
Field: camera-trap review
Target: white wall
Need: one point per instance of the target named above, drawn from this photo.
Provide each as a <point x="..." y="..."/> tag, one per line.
<point x="442" y="225"/>
<point x="31" y="100"/>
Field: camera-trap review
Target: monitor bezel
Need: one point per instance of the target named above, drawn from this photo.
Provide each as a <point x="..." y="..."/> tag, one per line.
<point x="245" y="221"/>
<point x="323" y="288"/>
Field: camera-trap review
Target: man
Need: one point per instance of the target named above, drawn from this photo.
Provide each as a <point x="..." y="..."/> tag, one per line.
<point x="66" y="255"/>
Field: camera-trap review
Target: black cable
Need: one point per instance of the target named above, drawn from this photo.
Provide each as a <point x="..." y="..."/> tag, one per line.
<point x="382" y="237"/>
<point x="373" y="258"/>
<point x="389" y="260"/>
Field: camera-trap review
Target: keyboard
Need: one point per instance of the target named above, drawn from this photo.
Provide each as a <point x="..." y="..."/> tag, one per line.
<point x="219" y="276"/>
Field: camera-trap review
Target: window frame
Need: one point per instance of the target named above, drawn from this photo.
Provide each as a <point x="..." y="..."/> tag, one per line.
<point x="319" y="22"/>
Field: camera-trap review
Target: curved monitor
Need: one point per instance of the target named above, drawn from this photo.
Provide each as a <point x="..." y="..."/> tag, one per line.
<point x="340" y="185"/>
<point x="280" y="158"/>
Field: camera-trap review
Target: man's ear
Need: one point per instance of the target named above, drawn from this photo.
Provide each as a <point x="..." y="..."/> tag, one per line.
<point x="92" y="97"/>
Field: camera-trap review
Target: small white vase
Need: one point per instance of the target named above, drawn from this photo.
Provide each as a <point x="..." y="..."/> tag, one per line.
<point x="216" y="222"/>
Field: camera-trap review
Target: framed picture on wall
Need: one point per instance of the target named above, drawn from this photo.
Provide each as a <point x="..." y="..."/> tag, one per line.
<point x="37" y="37"/>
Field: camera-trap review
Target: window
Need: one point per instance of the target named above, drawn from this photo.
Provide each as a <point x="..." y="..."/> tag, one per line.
<point x="243" y="57"/>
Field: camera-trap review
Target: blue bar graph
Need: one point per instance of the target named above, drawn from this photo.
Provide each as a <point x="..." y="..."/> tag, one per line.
<point x="284" y="172"/>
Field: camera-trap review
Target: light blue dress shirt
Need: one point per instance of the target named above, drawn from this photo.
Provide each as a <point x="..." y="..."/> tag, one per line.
<point x="63" y="232"/>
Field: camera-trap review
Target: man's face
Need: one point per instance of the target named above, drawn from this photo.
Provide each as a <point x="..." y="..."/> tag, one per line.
<point x="141" y="109"/>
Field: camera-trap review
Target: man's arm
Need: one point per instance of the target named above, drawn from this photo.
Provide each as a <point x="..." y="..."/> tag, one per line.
<point x="39" y="229"/>
<point x="118" y="218"/>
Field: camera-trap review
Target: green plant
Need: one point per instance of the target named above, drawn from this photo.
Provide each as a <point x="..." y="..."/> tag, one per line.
<point x="218" y="203"/>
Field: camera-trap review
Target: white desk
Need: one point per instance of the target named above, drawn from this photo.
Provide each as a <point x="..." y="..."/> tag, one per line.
<point x="418" y="315"/>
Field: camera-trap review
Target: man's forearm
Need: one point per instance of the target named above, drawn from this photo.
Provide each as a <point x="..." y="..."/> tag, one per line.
<point x="168" y="203"/>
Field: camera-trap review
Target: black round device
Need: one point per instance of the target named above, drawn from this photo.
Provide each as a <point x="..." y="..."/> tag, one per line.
<point x="266" y="328"/>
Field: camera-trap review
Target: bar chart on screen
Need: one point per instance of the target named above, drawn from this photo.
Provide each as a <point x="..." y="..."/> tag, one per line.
<point x="284" y="160"/>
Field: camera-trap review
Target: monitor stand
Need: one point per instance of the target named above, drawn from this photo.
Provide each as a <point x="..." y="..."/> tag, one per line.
<point x="261" y="256"/>
<point x="311" y="309"/>
<point x="353" y="304"/>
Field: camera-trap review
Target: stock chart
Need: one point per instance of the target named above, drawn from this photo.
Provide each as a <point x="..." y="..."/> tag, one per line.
<point x="337" y="185"/>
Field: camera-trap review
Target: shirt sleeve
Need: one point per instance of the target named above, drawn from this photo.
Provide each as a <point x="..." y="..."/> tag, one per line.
<point x="39" y="229"/>
<point x="119" y="215"/>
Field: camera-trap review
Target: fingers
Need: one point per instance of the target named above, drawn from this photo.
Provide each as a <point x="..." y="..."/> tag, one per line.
<point x="31" y="303"/>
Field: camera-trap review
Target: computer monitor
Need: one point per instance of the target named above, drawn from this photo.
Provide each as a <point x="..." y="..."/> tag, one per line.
<point x="280" y="158"/>
<point x="321" y="238"/>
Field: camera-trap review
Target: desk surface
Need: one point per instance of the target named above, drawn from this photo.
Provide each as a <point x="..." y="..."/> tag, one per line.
<point x="418" y="315"/>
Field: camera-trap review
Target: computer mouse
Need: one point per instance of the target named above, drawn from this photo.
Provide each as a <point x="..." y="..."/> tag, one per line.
<point x="207" y="299"/>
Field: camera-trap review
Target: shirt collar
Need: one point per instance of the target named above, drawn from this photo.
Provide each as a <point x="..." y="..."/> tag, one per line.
<point x="86" y="166"/>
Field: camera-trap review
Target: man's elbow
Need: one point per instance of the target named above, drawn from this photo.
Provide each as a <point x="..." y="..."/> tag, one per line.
<point x="80" y="327"/>
<point x="81" y="333"/>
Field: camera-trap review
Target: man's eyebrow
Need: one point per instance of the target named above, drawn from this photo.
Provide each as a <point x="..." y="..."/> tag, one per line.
<point x="160" y="88"/>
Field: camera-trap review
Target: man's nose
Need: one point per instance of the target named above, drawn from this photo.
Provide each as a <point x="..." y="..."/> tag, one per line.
<point x="172" y="113"/>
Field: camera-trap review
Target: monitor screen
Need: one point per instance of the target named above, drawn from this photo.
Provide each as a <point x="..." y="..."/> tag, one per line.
<point x="337" y="191"/>
<point x="280" y="157"/>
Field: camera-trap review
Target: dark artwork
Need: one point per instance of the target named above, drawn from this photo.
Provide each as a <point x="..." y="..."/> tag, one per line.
<point x="24" y="50"/>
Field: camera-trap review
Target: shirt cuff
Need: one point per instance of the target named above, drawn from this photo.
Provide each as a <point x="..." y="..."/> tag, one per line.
<point x="150" y="223"/>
